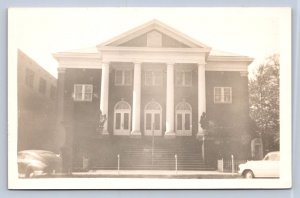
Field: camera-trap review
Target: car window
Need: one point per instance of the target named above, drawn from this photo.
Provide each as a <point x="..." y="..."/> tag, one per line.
<point x="275" y="157"/>
<point x="272" y="157"/>
<point x="267" y="157"/>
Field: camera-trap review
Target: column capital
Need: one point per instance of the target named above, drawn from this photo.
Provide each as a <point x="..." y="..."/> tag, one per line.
<point x="61" y="70"/>
<point x="137" y="63"/>
<point x="170" y="63"/>
<point x="105" y="62"/>
<point x="202" y="64"/>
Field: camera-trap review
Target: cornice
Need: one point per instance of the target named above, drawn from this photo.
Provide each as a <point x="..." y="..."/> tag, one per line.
<point x="230" y="58"/>
<point x="60" y="55"/>
<point x="103" y="49"/>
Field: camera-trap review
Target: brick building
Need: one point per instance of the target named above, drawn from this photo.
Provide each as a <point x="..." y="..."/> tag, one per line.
<point x="153" y="84"/>
<point x="36" y="105"/>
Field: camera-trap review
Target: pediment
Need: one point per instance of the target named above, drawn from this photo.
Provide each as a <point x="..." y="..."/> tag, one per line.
<point x="153" y="34"/>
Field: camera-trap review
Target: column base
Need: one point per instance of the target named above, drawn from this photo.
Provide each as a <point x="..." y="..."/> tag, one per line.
<point x="170" y="134"/>
<point x="135" y="134"/>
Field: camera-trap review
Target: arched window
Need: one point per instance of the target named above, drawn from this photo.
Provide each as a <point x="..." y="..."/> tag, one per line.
<point x="153" y="119"/>
<point x="122" y="118"/>
<point x="183" y="119"/>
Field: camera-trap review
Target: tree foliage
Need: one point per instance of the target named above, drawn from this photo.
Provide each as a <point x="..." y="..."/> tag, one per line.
<point x="264" y="102"/>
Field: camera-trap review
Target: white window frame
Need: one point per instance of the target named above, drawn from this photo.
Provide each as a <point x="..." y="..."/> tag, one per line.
<point x="153" y="78"/>
<point x="182" y="112"/>
<point x="123" y="83"/>
<point x="83" y="93"/>
<point x="222" y="95"/>
<point x="152" y="112"/>
<point x="122" y="131"/>
<point x="184" y="74"/>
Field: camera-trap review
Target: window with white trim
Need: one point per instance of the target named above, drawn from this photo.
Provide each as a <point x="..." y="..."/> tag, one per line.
<point x="183" y="120"/>
<point x="183" y="78"/>
<point x="153" y="119"/>
<point x="123" y="77"/>
<point x="122" y="118"/>
<point x="153" y="78"/>
<point x="222" y="95"/>
<point x="83" y="92"/>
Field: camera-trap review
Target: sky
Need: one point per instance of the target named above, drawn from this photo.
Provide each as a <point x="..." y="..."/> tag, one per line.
<point x="40" y="32"/>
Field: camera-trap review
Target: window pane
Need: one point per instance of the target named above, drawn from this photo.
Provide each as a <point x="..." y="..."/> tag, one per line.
<point x="179" y="121"/>
<point x="78" y="92"/>
<point x="78" y="88"/>
<point x="179" y="78"/>
<point x="226" y="90"/>
<point x="128" y="77"/>
<point x="158" y="78"/>
<point x="227" y="98"/>
<point x="126" y="120"/>
<point x="188" y="78"/>
<point x="148" y="121"/>
<point x="87" y="97"/>
<point x="227" y="94"/>
<point x="118" y="120"/>
<point x="148" y="78"/>
<point x="157" y="121"/>
<point x="78" y="96"/>
<point x="88" y="88"/>
<point x="187" y="124"/>
<point x="118" y="77"/>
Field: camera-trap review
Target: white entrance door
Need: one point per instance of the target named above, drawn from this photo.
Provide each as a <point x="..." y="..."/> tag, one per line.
<point x="183" y="119"/>
<point x="122" y="119"/>
<point x="153" y="119"/>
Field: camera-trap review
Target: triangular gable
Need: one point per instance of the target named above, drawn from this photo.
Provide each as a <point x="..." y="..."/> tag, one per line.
<point x="153" y="26"/>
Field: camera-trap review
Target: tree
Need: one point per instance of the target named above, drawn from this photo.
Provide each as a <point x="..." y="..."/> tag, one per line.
<point x="264" y="102"/>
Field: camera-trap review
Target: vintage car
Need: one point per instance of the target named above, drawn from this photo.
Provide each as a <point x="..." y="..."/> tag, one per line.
<point x="32" y="163"/>
<point x="267" y="167"/>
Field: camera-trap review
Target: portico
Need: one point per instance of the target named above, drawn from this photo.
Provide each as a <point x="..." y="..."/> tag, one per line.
<point x="119" y="49"/>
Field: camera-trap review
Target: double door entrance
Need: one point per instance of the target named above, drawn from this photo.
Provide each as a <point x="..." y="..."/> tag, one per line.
<point x="153" y="119"/>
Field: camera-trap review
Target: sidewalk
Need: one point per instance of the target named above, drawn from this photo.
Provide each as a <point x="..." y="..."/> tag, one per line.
<point x="150" y="174"/>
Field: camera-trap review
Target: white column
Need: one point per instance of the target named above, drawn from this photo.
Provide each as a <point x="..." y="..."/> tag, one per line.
<point x="104" y="94"/>
<point x="136" y="103"/>
<point x="170" y="101"/>
<point x="201" y="95"/>
<point x="60" y="136"/>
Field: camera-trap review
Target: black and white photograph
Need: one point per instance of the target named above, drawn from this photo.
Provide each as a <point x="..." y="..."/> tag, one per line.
<point x="149" y="98"/>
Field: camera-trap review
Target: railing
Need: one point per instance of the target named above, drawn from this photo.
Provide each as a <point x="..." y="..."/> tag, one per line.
<point x="229" y="165"/>
<point x="118" y="164"/>
<point x="176" y="163"/>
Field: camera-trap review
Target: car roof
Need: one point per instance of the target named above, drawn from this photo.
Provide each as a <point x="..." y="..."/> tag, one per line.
<point x="274" y="152"/>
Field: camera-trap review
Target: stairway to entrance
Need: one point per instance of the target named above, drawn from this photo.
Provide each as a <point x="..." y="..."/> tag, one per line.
<point x="146" y="154"/>
<point x="163" y="155"/>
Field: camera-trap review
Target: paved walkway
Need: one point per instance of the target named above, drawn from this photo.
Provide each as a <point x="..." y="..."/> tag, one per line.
<point x="154" y="174"/>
